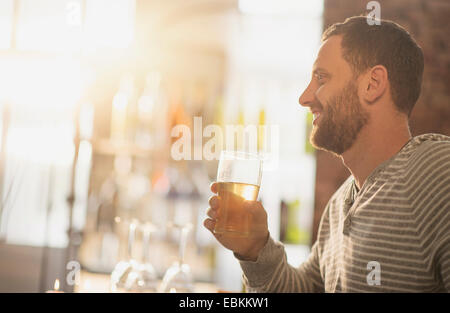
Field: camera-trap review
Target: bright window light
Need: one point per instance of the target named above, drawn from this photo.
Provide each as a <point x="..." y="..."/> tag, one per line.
<point x="6" y="17"/>
<point x="56" y="25"/>
<point x="282" y="7"/>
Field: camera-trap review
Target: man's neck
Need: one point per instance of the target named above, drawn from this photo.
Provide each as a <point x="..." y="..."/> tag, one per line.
<point x="373" y="147"/>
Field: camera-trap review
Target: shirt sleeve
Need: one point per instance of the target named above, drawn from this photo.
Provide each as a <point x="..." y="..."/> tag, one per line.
<point x="271" y="272"/>
<point x="435" y="227"/>
<point x="443" y="238"/>
<point x="444" y="266"/>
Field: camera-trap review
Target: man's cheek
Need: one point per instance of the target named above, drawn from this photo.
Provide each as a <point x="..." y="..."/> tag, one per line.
<point x="321" y="97"/>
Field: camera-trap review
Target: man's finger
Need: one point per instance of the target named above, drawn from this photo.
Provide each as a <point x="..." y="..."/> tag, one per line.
<point x="213" y="187"/>
<point x="214" y="202"/>
<point x="209" y="224"/>
<point x="212" y="213"/>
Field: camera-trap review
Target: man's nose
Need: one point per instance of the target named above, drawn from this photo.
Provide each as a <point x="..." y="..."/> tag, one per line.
<point x="307" y="97"/>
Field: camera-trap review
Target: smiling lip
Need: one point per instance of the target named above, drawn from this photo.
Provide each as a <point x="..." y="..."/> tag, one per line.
<point x="316" y="115"/>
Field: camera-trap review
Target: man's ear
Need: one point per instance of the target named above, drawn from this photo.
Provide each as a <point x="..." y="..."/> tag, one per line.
<point x="375" y="83"/>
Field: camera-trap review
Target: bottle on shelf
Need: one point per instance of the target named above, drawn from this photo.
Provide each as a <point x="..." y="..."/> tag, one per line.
<point x="121" y="106"/>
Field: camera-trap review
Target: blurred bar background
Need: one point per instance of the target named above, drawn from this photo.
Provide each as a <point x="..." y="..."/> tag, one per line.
<point x="91" y="90"/>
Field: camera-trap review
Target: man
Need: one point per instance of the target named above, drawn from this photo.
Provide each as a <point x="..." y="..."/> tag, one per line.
<point x="387" y="228"/>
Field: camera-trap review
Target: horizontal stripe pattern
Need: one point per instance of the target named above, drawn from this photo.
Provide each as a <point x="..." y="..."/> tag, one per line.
<point x="400" y="219"/>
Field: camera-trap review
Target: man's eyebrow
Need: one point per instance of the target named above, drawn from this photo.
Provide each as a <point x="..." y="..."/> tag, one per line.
<point x="319" y="69"/>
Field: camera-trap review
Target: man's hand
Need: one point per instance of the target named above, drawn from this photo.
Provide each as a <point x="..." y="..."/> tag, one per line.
<point x="246" y="248"/>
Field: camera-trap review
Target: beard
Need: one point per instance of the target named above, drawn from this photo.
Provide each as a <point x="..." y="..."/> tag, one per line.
<point x="340" y="121"/>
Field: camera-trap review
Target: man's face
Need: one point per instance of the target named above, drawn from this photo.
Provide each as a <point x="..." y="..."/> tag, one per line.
<point x="332" y="96"/>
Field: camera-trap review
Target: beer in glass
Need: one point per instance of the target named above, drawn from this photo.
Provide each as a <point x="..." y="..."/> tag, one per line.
<point x="238" y="179"/>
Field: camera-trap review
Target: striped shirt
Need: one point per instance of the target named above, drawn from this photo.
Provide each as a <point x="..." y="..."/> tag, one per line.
<point x="393" y="235"/>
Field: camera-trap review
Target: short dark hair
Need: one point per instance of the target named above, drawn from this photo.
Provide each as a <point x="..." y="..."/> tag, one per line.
<point x="387" y="44"/>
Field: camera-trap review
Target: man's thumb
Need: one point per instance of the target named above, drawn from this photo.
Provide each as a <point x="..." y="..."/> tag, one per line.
<point x="252" y="206"/>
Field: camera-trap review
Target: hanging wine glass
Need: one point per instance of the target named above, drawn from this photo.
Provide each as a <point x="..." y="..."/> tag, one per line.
<point x="178" y="277"/>
<point x="142" y="277"/>
<point x="119" y="275"/>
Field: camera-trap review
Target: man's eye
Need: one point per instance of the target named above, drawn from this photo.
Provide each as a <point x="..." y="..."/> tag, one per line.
<point x="319" y="77"/>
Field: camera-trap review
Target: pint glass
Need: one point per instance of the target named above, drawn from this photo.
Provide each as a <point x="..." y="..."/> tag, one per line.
<point x="238" y="179"/>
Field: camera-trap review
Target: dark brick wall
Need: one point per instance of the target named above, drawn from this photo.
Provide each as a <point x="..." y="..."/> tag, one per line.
<point x="427" y="22"/>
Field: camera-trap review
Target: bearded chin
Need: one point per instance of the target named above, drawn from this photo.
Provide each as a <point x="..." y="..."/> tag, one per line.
<point x="340" y="122"/>
<point x="331" y="139"/>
